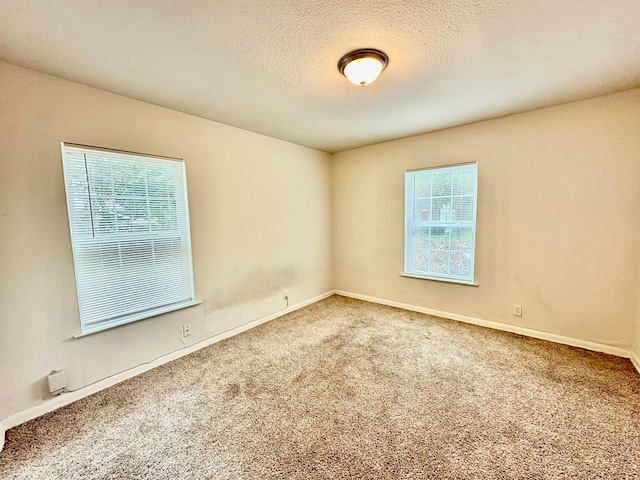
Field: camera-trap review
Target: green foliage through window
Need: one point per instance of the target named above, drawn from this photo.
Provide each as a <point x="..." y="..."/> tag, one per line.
<point x="440" y="222"/>
<point x="130" y="234"/>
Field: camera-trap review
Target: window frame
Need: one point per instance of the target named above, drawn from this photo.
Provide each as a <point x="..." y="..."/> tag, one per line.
<point x="409" y="224"/>
<point x="182" y="226"/>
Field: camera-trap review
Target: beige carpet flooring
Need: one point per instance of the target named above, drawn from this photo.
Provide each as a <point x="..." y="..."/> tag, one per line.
<point x="345" y="389"/>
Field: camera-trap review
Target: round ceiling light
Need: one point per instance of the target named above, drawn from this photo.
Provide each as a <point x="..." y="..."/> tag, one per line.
<point x="361" y="67"/>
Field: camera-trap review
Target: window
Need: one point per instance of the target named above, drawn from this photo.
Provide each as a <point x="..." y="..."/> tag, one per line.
<point x="440" y="223"/>
<point x="129" y="220"/>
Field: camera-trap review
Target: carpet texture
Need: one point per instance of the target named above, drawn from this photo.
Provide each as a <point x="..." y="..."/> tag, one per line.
<point x="345" y="389"/>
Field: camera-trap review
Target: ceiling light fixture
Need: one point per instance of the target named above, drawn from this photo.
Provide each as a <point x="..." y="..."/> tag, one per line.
<point x="361" y="67"/>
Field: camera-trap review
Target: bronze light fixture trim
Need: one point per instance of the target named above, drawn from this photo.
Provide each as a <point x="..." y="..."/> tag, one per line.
<point x="362" y="67"/>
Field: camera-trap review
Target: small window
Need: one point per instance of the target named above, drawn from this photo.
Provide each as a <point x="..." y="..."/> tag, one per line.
<point x="440" y="223"/>
<point x="129" y="220"/>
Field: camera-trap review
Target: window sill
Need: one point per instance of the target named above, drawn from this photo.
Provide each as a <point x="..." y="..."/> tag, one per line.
<point x="439" y="279"/>
<point x="137" y="317"/>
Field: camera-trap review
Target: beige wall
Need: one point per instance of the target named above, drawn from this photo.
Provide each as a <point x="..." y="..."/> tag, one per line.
<point x="558" y="225"/>
<point x="260" y="220"/>
<point x="558" y="219"/>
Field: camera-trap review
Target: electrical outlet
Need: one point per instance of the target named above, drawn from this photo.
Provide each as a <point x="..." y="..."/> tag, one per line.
<point x="285" y="295"/>
<point x="57" y="382"/>
<point x="517" y="310"/>
<point x="186" y="330"/>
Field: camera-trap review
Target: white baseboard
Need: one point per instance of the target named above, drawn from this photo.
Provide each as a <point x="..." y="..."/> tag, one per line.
<point x="552" y="337"/>
<point x="635" y="360"/>
<point x="70" y="397"/>
<point x="67" y="398"/>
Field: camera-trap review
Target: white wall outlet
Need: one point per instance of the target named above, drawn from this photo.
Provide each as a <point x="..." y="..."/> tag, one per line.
<point x="57" y="382"/>
<point x="517" y="310"/>
<point x="186" y="330"/>
<point x="285" y="295"/>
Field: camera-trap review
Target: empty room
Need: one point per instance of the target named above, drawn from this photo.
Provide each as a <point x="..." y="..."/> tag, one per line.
<point x="319" y="240"/>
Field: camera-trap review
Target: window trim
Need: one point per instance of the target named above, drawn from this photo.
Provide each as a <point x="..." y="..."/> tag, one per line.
<point x="439" y="279"/>
<point x="408" y="222"/>
<point x="151" y="311"/>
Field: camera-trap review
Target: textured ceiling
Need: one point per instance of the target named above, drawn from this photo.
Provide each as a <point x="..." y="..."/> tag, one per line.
<point x="270" y="66"/>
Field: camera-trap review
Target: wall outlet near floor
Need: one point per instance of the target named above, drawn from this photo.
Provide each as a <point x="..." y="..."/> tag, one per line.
<point x="186" y="330"/>
<point x="285" y="295"/>
<point x="517" y="310"/>
<point x="57" y="382"/>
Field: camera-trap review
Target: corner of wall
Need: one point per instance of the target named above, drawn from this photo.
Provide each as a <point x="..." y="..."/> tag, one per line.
<point x="635" y="346"/>
<point x="635" y="342"/>
<point x="332" y="233"/>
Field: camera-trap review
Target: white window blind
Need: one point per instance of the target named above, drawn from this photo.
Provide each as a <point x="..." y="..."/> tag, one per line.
<point x="129" y="220"/>
<point x="440" y="222"/>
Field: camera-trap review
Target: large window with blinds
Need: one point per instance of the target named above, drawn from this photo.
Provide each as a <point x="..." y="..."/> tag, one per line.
<point x="129" y="220"/>
<point x="440" y="223"/>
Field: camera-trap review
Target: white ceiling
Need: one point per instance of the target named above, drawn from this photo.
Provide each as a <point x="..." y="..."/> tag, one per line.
<point x="269" y="66"/>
